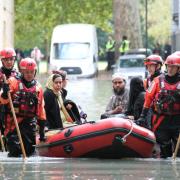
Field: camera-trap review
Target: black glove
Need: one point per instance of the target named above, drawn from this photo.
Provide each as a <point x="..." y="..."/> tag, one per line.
<point x="142" y="119"/>
<point x="41" y="130"/>
<point x="6" y="89"/>
<point x="83" y="115"/>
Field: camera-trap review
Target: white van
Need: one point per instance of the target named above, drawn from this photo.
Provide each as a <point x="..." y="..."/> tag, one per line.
<point x="74" y="48"/>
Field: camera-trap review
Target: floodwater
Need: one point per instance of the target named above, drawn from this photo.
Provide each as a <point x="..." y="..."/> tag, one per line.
<point x="92" y="95"/>
<point x="40" y="168"/>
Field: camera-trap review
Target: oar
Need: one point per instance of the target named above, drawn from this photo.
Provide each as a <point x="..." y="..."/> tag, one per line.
<point x="15" y="121"/>
<point x="2" y="142"/>
<point x="177" y="148"/>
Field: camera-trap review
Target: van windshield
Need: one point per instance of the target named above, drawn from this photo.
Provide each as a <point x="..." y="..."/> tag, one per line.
<point x="71" y="50"/>
<point x="138" y="62"/>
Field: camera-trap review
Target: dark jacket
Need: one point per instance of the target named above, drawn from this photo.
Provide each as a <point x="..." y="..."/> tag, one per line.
<point x="64" y="93"/>
<point x="52" y="110"/>
<point x="138" y="105"/>
<point x="136" y="98"/>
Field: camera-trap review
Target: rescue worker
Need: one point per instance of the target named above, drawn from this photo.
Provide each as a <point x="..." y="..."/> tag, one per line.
<point x="119" y="100"/>
<point x="164" y="93"/>
<point x="7" y="57"/>
<point x="124" y="47"/>
<point x="28" y="102"/>
<point x="153" y="64"/>
<point x="110" y="52"/>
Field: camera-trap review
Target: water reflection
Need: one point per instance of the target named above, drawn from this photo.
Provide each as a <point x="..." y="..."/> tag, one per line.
<point x="56" y="169"/>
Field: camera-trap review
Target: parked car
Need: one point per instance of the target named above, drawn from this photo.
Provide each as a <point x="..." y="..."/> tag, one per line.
<point x="131" y="65"/>
<point x="139" y="51"/>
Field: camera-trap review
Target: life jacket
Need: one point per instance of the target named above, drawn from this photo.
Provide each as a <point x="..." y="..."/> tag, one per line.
<point x="110" y="46"/>
<point x="167" y="100"/>
<point x="147" y="82"/>
<point x="124" y="46"/>
<point x="25" y="101"/>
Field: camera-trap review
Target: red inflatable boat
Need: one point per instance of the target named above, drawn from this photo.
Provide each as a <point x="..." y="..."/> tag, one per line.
<point x="108" y="138"/>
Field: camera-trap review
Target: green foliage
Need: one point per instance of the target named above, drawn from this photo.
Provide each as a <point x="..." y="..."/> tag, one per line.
<point x="35" y="20"/>
<point x="159" y="21"/>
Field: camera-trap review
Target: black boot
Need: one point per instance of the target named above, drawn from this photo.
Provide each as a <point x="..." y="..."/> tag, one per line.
<point x="166" y="150"/>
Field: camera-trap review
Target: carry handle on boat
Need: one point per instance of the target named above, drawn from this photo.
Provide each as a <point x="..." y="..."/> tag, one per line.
<point x="15" y="121"/>
<point x="123" y="139"/>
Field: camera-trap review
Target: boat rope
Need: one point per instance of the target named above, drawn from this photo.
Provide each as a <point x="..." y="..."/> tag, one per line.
<point x="126" y="135"/>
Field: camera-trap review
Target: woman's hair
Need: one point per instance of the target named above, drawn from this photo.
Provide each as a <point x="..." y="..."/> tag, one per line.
<point x="56" y="76"/>
<point x="61" y="72"/>
<point x="136" y="87"/>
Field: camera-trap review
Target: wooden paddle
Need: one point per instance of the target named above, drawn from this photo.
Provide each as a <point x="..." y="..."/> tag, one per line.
<point x="177" y="148"/>
<point x="2" y="142"/>
<point x="15" y="122"/>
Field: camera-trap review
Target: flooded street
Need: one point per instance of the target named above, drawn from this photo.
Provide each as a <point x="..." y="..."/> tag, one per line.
<point x="92" y="95"/>
<point x="40" y="168"/>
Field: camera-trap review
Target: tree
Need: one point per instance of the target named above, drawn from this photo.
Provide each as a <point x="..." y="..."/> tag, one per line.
<point x="35" y="20"/>
<point x="159" y="21"/>
<point x="127" y="22"/>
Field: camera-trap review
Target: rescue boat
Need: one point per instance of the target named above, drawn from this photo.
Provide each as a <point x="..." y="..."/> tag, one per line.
<point x="107" y="138"/>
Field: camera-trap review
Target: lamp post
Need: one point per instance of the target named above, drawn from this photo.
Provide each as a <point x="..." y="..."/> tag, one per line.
<point x="146" y="25"/>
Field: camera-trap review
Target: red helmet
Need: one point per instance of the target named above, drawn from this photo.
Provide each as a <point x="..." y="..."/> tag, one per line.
<point x="7" y="53"/>
<point x="28" y="64"/>
<point x="153" y="59"/>
<point x="22" y="63"/>
<point x="173" y="59"/>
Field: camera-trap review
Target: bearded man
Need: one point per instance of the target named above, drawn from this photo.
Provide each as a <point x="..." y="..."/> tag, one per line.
<point x="119" y="100"/>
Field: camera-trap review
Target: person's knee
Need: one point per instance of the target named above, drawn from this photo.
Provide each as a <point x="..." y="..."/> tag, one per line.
<point x="13" y="146"/>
